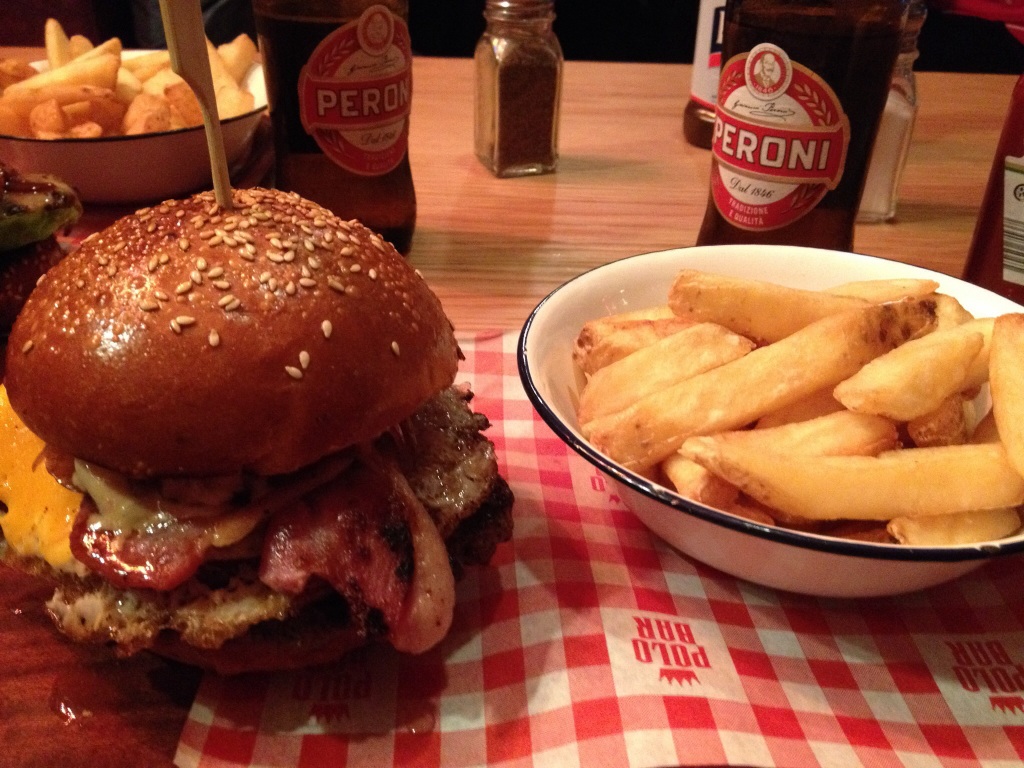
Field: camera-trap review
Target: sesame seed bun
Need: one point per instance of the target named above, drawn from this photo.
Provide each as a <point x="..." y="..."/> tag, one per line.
<point x="190" y="340"/>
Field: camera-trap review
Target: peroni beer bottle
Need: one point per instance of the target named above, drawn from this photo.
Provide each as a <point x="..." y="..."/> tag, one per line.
<point x="801" y="92"/>
<point x="339" y="83"/>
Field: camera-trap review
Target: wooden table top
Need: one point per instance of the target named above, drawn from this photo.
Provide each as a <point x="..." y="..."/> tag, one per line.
<point x="491" y="248"/>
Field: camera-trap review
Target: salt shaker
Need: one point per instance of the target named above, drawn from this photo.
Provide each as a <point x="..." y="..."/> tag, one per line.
<point x="518" y="88"/>
<point x="889" y="156"/>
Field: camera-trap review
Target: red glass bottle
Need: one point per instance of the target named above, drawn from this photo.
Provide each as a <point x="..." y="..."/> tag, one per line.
<point x="996" y="256"/>
<point x="800" y="96"/>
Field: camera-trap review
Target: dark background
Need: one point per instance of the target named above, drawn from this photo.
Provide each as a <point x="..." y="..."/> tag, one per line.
<point x="608" y="30"/>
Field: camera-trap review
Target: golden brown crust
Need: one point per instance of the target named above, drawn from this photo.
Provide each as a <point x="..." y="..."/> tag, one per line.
<point x="190" y="340"/>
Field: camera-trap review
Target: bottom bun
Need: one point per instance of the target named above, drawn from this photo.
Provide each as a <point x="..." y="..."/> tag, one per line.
<point x="313" y="637"/>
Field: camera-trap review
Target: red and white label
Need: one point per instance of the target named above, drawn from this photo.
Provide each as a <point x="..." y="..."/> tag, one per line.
<point x="355" y="93"/>
<point x="780" y="140"/>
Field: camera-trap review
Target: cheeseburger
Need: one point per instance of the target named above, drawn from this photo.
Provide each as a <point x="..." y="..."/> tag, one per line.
<point x="232" y="436"/>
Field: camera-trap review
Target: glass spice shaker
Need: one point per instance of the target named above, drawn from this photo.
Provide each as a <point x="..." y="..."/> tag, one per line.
<point x="518" y="88"/>
<point x="892" y="144"/>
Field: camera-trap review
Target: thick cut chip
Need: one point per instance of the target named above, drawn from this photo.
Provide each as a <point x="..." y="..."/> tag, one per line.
<point x="762" y="311"/>
<point x="956" y="529"/>
<point x="1007" y="384"/>
<point x="769" y="378"/>
<point x="879" y="291"/>
<point x="903" y="483"/>
<point x="668" y="361"/>
<point x="916" y="378"/>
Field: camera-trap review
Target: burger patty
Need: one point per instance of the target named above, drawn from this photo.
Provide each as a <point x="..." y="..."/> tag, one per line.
<point x="450" y="467"/>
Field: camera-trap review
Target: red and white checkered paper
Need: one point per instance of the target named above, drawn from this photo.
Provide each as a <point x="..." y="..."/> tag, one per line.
<point x="589" y="642"/>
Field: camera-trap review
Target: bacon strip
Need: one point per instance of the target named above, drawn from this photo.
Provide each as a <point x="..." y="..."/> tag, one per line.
<point x="355" y="535"/>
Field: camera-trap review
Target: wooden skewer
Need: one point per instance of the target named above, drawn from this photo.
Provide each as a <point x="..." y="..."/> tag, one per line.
<point x="186" y="42"/>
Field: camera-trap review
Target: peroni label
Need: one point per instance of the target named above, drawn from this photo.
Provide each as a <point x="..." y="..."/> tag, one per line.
<point x="780" y="140"/>
<point x="355" y="93"/>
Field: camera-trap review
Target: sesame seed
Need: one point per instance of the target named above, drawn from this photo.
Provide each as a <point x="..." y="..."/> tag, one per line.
<point x="148" y="305"/>
<point x="150" y="229"/>
<point x="304" y="359"/>
<point x="79" y="282"/>
<point x="232" y="306"/>
<point x="214" y="273"/>
<point x="216" y="240"/>
<point x="294" y="372"/>
<point x="102" y="260"/>
<point x="373" y="274"/>
<point x="327" y="328"/>
<point x="356" y="268"/>
<point x="221" y="284"/>
<point x="143" y="211"/>
<point x="164" y="258"/>
<point x="289" y="255"/>
<point x="306" y="272"/>
<point x="290" y="288"/>
<point x="196" y="277"/>
<point x="276" y="242"/>
<point x="229" y="241"/>
<point x="152" y="265"/>
<point x="214" y="338"/>
<point x="314" y="262"/>
<point x="319" y="222"/>
<point x="183" y="244"/>
<point x="201" y="264"/>
<point x="272" y="283"/>
<point x="161" y="296"/>
<point x="308" y="245"/>
<point x="348" y="250"/>
<point x="183" y="288"/>
<point x="184" y="320"/>
<point x="247" y="254"/>
<point x="111" y="270"/>
<point x="336" y="285"/>
<point x="264" y="277"/>
<point x="175" y="325"/>
<point x="394" y="348"/>
<point x="118" y="246"/>
<point x="307" y="282"/>
<point x="275" y="257"/>
<point x="226" y="299"/>
<point x="27" y="346"/>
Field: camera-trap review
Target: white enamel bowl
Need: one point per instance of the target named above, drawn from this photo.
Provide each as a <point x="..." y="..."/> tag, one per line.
<point x="775" y="557"/>
<point x="138" y="169"/>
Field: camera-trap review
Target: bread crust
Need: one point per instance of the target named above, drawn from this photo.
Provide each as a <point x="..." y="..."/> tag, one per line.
<point x="190" y="340"/>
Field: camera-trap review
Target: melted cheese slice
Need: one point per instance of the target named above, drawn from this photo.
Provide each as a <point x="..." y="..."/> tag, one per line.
<point x="40" y="511"/>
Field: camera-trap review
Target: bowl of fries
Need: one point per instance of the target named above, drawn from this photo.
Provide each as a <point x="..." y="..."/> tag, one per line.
<point x="119" y="125"/>
<point x="814" y="421"/>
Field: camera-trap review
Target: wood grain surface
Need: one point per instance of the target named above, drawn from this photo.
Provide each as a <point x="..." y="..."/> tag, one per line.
<point x="627" y="183"/>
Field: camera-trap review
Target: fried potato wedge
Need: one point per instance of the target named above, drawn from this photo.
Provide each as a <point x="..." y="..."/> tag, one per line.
<point x="57" y="44"/>
<point x="949" y="424"/>
<point x="901" y="483"/>
<point x="820" y="403"/>
<point x="880" y="291"/>
<point x="1007" y="384"/>
<point x="604" y="340"/>
<point x="99" y="71"/>
<point x="955" y="529"/>
<point x="668" y="361"/>
<point x="762" y="311"/>
<point x="769" y="378"/>
<point x="917" y="377"/>
<point x="692" y="481"/>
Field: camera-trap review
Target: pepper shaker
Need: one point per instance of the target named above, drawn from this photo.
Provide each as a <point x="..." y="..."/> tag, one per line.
<point x="518" y="88"/>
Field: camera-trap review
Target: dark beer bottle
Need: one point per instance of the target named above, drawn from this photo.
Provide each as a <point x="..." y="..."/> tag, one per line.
<point x="996" y="257"/>
<point x="800" y="96"/>
<point x="339" y="83"/>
